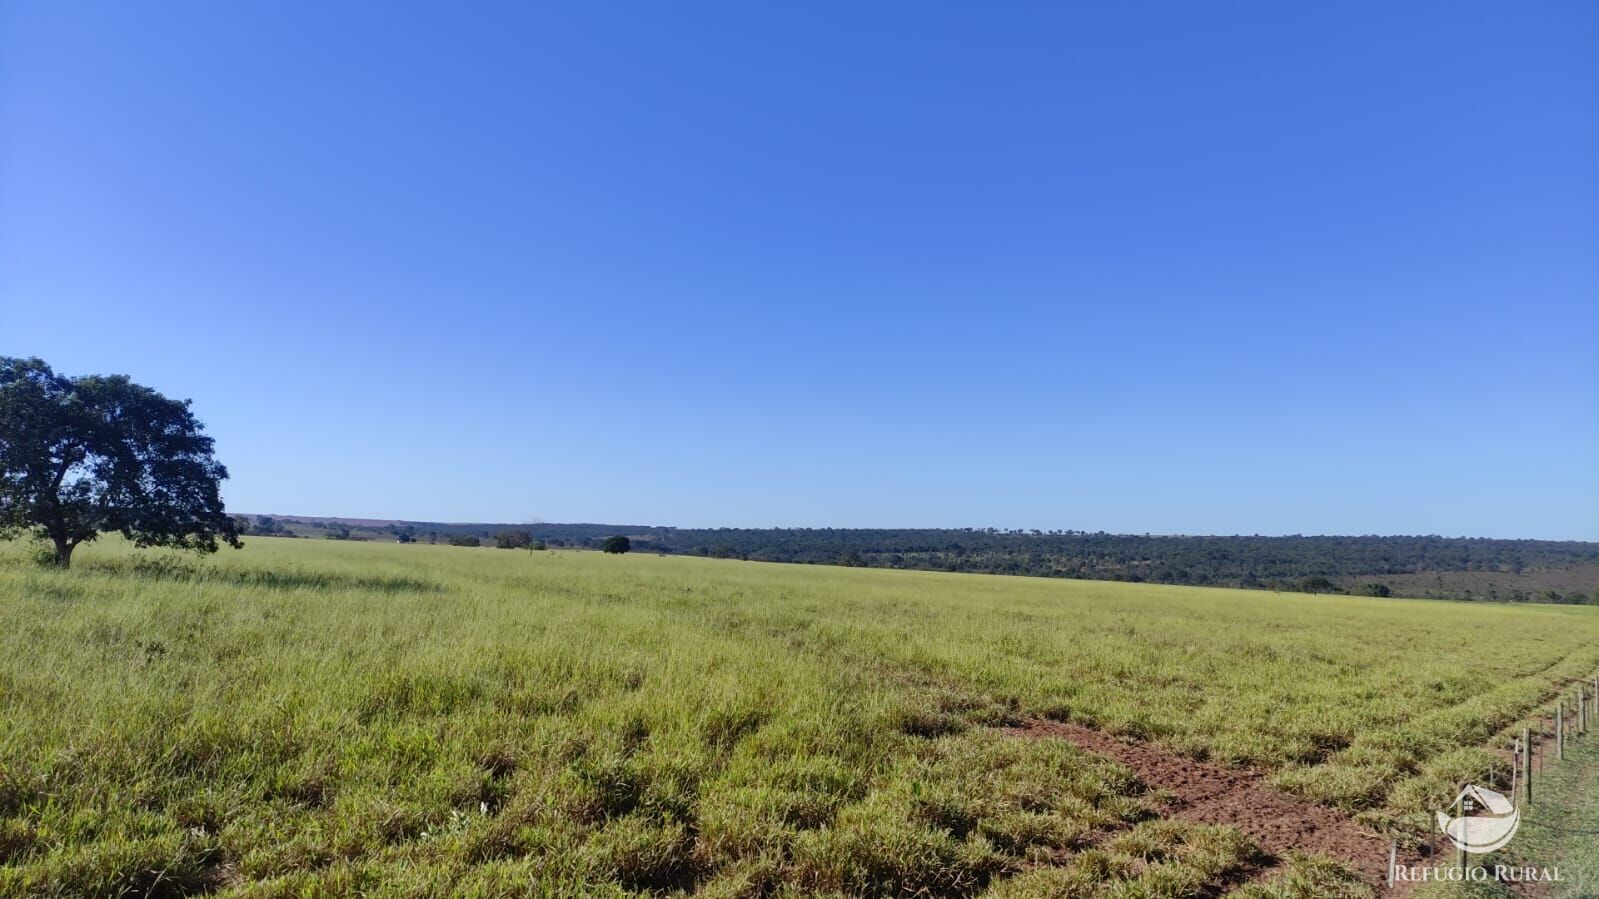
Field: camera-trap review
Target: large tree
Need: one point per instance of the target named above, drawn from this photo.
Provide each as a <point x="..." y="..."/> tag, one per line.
<point x="88" y="455"/>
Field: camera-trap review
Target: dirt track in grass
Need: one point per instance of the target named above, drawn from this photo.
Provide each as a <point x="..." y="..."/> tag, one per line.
<point x="1206" y="793"/>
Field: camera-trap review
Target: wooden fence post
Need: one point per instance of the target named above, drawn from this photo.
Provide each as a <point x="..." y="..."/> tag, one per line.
<point x="1540" y="750"/>
<point x="1526" y="765"/>
<point x="1515" y="763"/>
<point x="1560" y="730"/>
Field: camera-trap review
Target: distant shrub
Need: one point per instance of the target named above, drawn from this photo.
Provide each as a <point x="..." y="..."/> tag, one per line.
<point x="616" y="545"/>
<point x="465" y="540"/>
<point x="512" y="539"/>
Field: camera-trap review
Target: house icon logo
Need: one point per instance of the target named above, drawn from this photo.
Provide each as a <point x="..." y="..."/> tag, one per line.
<point x="1485" y="821"/>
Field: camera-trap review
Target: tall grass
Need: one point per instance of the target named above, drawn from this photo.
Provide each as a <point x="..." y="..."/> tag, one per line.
<point x="319" y="718"/>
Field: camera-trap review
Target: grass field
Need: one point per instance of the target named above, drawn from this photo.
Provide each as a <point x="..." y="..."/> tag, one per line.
<point x="322" y="718"/>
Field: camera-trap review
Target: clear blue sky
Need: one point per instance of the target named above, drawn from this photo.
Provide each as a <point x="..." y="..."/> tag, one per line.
<point x="1172" y="267"/>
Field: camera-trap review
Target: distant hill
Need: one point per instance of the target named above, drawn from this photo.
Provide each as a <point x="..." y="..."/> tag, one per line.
<point x="1565" y="571"/>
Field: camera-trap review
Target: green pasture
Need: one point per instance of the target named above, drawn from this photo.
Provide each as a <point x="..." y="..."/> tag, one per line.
<point x="320" y="718"/>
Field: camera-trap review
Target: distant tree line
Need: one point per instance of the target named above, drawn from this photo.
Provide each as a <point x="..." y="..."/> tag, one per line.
<point x="1355" y="565"/>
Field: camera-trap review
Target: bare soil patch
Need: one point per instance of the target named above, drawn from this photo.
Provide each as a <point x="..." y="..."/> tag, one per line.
<point x="1206" y="793"/>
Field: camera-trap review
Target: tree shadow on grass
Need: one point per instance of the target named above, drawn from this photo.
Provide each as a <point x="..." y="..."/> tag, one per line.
<point x="178" y="569"/>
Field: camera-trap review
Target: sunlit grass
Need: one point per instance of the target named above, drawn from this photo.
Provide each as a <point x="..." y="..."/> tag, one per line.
<point x="320" y="718"/>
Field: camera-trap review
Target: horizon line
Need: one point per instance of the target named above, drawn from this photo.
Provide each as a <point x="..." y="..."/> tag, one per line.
<point x="1014" y="531"/>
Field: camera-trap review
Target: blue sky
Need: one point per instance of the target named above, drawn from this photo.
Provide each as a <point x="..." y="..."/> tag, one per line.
<point x="1164" y="267"/>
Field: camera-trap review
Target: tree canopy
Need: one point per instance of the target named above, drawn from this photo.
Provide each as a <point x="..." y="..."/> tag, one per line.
<point x="513" y="538"/>
<point x="94" y="454"/>
<point x="616" y="544"/>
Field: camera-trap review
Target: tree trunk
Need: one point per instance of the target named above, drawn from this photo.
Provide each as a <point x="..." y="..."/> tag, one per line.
<point x="64" y="553"/>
